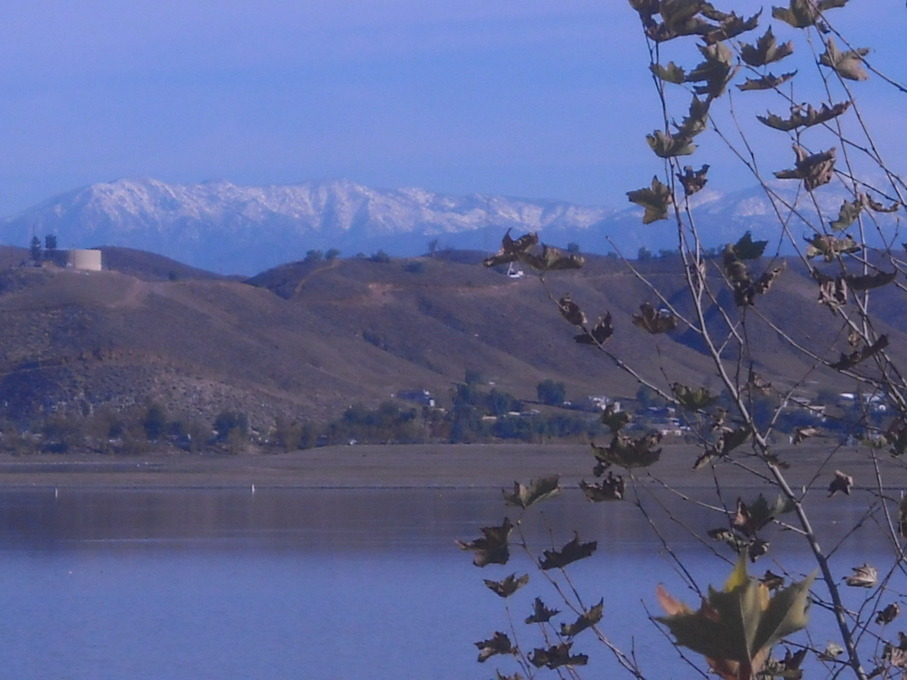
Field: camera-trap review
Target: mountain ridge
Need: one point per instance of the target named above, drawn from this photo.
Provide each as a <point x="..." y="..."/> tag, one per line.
<point x="232" y="229"/>
<point x="228" y="228"/>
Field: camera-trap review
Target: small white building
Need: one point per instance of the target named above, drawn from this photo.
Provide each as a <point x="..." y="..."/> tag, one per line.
<point x="85" y="259"/>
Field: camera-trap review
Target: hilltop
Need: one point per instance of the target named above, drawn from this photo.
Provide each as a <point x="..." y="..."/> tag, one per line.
<point x="308" y="339"/>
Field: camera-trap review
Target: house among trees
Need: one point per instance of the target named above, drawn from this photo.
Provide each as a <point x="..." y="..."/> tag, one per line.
<point x="421" y="397"/>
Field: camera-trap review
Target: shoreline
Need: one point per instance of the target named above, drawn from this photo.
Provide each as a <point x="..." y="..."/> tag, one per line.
<point x="441" y="466"/>
<point x="337" y="467"/>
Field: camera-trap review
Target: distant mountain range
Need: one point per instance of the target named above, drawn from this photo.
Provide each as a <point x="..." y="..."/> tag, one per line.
<point x="230" y="229"/>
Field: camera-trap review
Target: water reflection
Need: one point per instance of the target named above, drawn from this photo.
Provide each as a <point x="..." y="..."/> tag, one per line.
<point x="316" y="583"/>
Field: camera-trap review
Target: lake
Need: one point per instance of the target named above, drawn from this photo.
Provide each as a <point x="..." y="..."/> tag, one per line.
<point x="315" y="583"/>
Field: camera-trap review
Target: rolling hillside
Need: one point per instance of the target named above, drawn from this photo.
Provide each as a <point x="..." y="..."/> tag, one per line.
<point x="308" y="339"/>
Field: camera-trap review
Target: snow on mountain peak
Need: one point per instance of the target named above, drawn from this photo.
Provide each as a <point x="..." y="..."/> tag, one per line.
<point x="183" y="220"/>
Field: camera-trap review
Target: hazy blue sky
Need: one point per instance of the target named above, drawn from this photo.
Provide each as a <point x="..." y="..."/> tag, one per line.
<point x="531" y="98"/>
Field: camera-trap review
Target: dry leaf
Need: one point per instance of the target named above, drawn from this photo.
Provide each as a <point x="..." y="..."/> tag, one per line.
<point x="841" y="482"/>
<point x="864" y="576"/>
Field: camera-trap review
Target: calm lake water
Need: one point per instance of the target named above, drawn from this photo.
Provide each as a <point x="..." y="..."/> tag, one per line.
<point x="345" y="584"/>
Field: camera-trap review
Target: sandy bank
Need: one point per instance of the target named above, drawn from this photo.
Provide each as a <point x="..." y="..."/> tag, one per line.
<point x="368" y="466"/>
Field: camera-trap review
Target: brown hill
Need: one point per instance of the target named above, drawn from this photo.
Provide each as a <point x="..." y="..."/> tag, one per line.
<point x="310" y="338"/>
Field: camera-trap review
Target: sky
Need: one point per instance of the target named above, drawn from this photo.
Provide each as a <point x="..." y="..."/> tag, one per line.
<point x="526" y="98"/>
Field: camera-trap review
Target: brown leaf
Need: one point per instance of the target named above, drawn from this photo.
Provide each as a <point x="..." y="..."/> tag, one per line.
<point x="557" y="656"/>
<point x="875" y="206"/>
<point x="715" y="71"/>
<point x="847" y="64"/>
<point x="841" y="482"/>
<point x="541" y="613"/>
<point x="511" y="249"/>
<point x="832" y="290"/>
<point x="764" y="283"/>
<point x="654" y="321"/>
<point x="629" y="453"/>
<point x="744" y="522"/>
<point x="601" y="331"/>
<point x="508" y="586"/>
<point x="864" y="576"/>
<point x="693" y="180"/>
<point x="758" y="383"/>
<point x="850" y="360"/>
<point x="553" y="259"/>
<point x="868" y="281"/>
<point x="499" y="643"/>
<point x="731" y="439"/>
<point x="654" y="199"/>
<point x="829" y="247"/>
<point x="491" y="547"/>
<point x="585" y="620"/>
<point x="666" y="145"/>
<point x="611" y="488"/>
<point x="613" y="418"/>
<point x="803" y="433"/>
<point x="766" y="82"/>
<point x="815" y="169"/>
<point x="571" y="552"/>
<point x="896" y="656"/>
<point x="571" y="311"/>
<point x="731" y="26"/>
<point x="805" y="13"/>
<point x="672" y="73"/>
<point x="536" y="491"/>
<point x="804" y="115"/>
<point x="692" y="399"/>
<point x="736" y="628"/>
<point x="766" y="50"/>
<point x="888" y="614"/>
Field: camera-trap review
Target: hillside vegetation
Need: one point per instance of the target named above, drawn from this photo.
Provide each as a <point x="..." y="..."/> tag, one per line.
<point x="308" y="340"/>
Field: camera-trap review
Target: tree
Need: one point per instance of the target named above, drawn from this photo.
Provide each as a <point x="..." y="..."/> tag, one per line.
<point x="50" y="243"/>
<point x="287" y="433"/>
<point x="738" y="410"/>
<point x="473" y="376"/>
<point x="551" y="393"/>
<point x="332" y="254"/>
<point x="37" y="255"/>
<point x="227" y="422"/>
<point x="314" y="256"/>
<point x="500" y="403"/>
<point x="155" y="421"/>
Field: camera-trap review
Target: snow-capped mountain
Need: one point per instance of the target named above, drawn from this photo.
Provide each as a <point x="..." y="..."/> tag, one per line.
<point x="234" y="229"/>
<point x="238" y="229"/>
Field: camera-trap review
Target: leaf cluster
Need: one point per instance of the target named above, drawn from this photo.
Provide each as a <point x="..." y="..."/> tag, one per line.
<point x="737" y="272"/>
<point x="806" y="13"/>
<point x="629" y="452"/>
<point x="525" y="249"/>
<point x="736" y="628"/>
<point x="814" y="169"/>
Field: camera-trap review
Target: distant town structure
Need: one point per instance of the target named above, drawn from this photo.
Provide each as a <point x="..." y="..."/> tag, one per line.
<point x="423" y="397"/>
